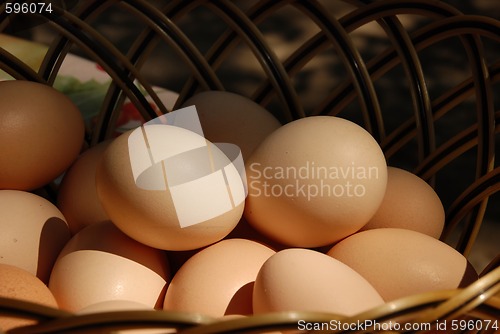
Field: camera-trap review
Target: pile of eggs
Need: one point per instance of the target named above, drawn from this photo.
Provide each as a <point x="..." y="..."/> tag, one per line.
<point x="325" y="225"/>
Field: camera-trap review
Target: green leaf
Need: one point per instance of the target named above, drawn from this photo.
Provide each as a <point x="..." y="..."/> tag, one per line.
<point x="88" y="96"/>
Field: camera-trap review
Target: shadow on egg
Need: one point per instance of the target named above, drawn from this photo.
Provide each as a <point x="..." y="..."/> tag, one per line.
<point x="241" y="303"/>
<point x="53" y="236"/>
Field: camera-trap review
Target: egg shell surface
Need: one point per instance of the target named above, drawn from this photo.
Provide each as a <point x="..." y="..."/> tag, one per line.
<point x="218" y="280"/>
<point x="150" y="216"/>
<point x="314" y="181"/>
<point x="17" y="283"/>
<point x="409" y="202"/>
<point x="77" y="196"/>
<point x="41" y="134"/>
<point x="400" y="262"/>
<point x="298" y="279"/>
<point x="33" y="232"/>
<point x="100" y="263"/>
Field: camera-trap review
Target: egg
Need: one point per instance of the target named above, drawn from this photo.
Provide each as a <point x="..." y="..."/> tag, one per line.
<point x="41" y="134"/>
<point x="17" y="283"/>
<point x="298" y="279"/>
<point x="232" y="118"/>
<point x="409" y="202"/>
<point x="181" y="202"/>
<point x="218" y="280"/>
<point x="33" y="232"/>
<point x="314" y="181"/>
<point x="100" y="263"/>
<point x="77" y="196"/>
<point x="400" y="262"/>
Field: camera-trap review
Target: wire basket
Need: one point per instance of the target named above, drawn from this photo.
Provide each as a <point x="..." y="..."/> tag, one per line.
<point x="412" y="124"/>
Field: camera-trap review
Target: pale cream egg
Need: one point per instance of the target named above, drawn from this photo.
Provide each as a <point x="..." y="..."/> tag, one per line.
<point x="33" y="232"/>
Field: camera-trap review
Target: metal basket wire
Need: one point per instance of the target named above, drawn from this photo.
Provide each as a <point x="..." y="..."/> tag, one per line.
<point x="416" y="136"/>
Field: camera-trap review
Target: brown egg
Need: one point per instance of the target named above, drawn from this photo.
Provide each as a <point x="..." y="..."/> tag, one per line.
<point x="100" y="263"/>
<point x="232" y="118"/>
<point x="297" y="279"/>
<point x="77" y="197"/>
<point x="314" y="181"/>
<point x="409" y="202"/>
<point x="41" y="134"/>
<point x="33" y="232"/>
<point x="218" y="280"/>
<point x="17" y="283"/>
<point x="400" y="262"/>
<point x="152" y="215"/>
